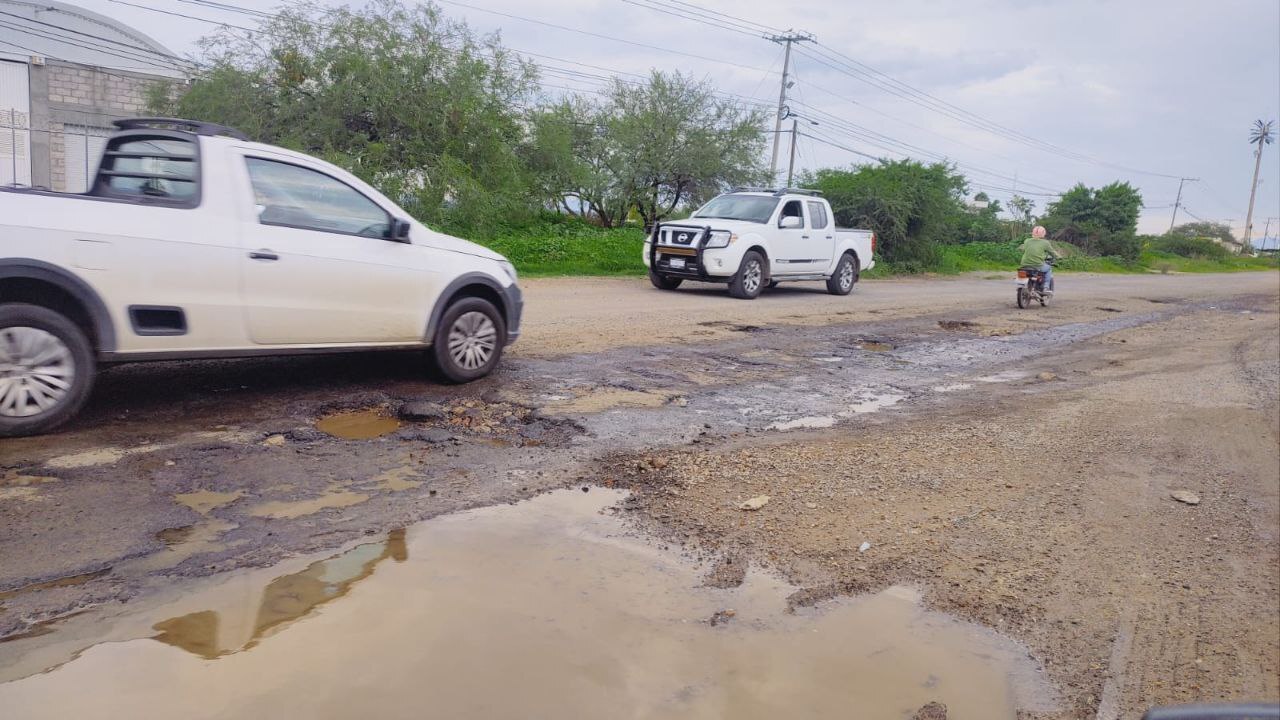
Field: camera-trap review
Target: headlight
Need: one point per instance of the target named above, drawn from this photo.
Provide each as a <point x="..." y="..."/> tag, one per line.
<point x="720" y="239"/>
<point x="509" y="269"/>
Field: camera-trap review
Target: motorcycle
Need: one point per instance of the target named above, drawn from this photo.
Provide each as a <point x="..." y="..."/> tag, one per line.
<point x="1031" y="286"/>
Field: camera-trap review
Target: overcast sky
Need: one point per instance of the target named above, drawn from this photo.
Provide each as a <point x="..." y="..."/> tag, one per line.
<point x="1156" y="88"/>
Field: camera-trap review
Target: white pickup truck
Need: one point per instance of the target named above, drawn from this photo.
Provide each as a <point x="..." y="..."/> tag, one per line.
<point x="751" y="239"/>
<point x="195" y="243"/>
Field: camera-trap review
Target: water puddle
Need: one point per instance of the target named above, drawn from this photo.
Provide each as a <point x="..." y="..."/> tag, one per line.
<point x="204" y="501"/>
<point x="358" y="424"/>
<point x="815" y="421"/>
<point x="399" y="479"/>
<point x="1003" y="377"/>
<point x="873" y="404"/>
<point x="67" y="581"/>
<point x="875" y="346"/>
<point x="953" y="387"/>
<point x="290" y="509"/>
<point x="546" y="608"/>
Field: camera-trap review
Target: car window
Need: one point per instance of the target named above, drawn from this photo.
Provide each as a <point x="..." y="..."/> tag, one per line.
<point x="299" y="197"/>
<point x="817" y="215"/>
<point x="752" y="208"/>
<point x="149" y="167"/>
<point x="793" y="208"/>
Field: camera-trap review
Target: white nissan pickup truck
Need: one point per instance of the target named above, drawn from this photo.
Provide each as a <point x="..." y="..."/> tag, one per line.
<point x="753" y="238"/>
<point x="195" y="243"/>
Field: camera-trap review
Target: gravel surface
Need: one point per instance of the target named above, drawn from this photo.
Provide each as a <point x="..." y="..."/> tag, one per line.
<point x="1017" y="467"/>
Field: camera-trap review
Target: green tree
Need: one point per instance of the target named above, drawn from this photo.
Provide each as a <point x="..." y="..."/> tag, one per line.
<point x="910" y="206"/>
<point x="417" y="105"/>
<point x="1102" y="221"/>
<point x="652" y="147"/>
<point x="1218" y="231"/>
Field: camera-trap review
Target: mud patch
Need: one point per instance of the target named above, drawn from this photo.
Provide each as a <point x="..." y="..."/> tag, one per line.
<point x="175" y="535"/>
<point x="67" y="581"/>
<point x="290" y="509"/>
<point x="954" y="325"/>
<point x="595" y="400"/>
<point x="204" y="501"/>
<point x="591" y="597"/>
<point x="1109" y="309"/>
<point x="358" y="424"/>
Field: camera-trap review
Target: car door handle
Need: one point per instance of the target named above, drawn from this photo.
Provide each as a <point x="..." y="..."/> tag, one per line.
<point x="263" y="255"/>
<point x="830" y="237"/>
<point x="804" y="237"/>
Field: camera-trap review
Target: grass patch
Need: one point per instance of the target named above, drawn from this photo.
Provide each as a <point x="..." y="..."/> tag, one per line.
<point x="555" y="247"/>
<point x="563" y="247"/>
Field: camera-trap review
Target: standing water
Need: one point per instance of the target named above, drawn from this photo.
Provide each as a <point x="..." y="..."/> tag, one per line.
<point x="542" y="609"/>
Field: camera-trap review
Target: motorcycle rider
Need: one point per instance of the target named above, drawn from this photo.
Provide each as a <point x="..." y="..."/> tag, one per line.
<point x="1036" y="253"/>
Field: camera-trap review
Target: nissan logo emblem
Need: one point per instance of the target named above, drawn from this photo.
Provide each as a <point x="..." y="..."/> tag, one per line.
<point x="684" y="237"/>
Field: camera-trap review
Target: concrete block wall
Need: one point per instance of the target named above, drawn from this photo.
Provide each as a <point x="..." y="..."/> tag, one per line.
<point x="67" y="94"/>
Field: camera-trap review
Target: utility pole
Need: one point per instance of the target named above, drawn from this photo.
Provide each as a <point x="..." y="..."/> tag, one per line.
<point x="1177" y="203"/>
<point x="787" y="40"/>
<point x="1262" y="135"/>
<point x="791" y="166"/>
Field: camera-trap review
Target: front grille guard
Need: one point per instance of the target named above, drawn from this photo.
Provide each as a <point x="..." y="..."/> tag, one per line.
<point x="698" y="245"/>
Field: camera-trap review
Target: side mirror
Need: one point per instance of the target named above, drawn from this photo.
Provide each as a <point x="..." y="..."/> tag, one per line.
<point x="399" y="230"/>
<point x="791" y="222"/>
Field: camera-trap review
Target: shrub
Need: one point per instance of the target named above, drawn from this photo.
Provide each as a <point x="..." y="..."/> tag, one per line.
<point x="1190" y="247"/>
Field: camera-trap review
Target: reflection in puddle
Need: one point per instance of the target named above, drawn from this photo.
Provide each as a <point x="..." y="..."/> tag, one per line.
<point x="542" y="609"/>
<point x="206" y="633"/>
<point x="358" y="425"/>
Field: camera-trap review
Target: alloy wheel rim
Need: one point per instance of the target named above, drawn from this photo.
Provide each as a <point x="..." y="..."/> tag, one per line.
<point x="751" y="278"/>
<point x="846" y="275"/>
<point x="36" y="371"/>
<point x="473" y="338"/>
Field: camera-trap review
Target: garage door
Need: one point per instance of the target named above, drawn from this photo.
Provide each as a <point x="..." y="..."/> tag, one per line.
<point x="84" y="144"/>
<point x="15" y="124"/>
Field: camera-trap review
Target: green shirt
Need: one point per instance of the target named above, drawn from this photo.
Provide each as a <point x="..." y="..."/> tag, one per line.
<point x="1035" y="251"/>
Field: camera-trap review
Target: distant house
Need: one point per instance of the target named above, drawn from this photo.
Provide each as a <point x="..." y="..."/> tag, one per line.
<point x="65" y="74"/>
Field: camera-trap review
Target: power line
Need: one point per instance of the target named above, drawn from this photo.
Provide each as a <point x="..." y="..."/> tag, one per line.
<point x="188" y="17"/>
<point x="86" y="45"/>
<point x="604" y="37"/>
<point x="91" y="35"/>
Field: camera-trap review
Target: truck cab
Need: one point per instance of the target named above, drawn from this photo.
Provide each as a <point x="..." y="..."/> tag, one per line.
<point x="756" y="238"/>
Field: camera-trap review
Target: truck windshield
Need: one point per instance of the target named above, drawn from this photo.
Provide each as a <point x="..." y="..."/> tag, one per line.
<point x="752" y="208"/>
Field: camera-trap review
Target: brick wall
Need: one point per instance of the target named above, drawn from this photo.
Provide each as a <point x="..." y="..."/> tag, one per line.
<point x="83" y="96"/>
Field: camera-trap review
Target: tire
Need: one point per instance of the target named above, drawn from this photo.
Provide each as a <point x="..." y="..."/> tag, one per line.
<point x="39" y="350"/>
<point x="662" y="282"/>
<point x="845" y="277"/>
<point x="469" y="340"/>
<point x="750" y="278"/>
<point x="1024" y="298"/>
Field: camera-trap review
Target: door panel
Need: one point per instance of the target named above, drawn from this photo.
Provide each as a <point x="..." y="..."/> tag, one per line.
<point x="317" y="269"/>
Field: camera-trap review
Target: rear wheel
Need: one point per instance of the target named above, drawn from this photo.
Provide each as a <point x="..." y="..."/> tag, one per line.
<point x="662" y="282"/>
<point x="749" y="280"/>
<point x="469" y="340"/>
<point x="1024" y="297"/>
<point x="842" y="280"/>
<point x="46" y="369"/>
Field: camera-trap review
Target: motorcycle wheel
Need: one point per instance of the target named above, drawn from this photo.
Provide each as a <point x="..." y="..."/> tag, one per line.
<point x="1023" y="298"/>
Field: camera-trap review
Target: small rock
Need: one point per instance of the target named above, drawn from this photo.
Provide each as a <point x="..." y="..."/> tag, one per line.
<point x="932" y="711"/>
<point x="1047" y="376"/>
<point x="864" y="547"/>
<point x="274" y="441"/>
<point x="755" y="503"/>
<point x="419" y="410"/>
<point x="680" y="402"/>
<point x="1185" y="496"/>
<point x="169" y="463"/>
<point x="722" y="617"/>
<point x="658" y="463"/>
<point x="811" y="506"/>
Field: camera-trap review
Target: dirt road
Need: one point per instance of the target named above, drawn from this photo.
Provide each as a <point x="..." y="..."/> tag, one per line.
<point x="1015" y="467"/>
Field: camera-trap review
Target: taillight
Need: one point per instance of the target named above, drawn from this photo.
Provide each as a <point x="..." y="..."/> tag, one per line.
<point x="1022" y="274"/>
<point x="873" y="243"/>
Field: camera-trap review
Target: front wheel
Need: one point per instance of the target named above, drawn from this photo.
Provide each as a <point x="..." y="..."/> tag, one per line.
<point x="841" y="282"/>
<point x="46" y="369"/>
<point x="749" y="280"/>
<point x="469" y="340"/>
<point x="662" y="282"/>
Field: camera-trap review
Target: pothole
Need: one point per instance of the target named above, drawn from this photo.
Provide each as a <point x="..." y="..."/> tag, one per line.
<point x="954" y="325"/>
<point x="432" y="611"/>
<point x="358" y="424"/>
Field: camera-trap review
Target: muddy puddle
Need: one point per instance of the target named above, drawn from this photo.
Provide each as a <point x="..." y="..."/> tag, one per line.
<point x="548" y="608"/>
<point x="358" y="424"/>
